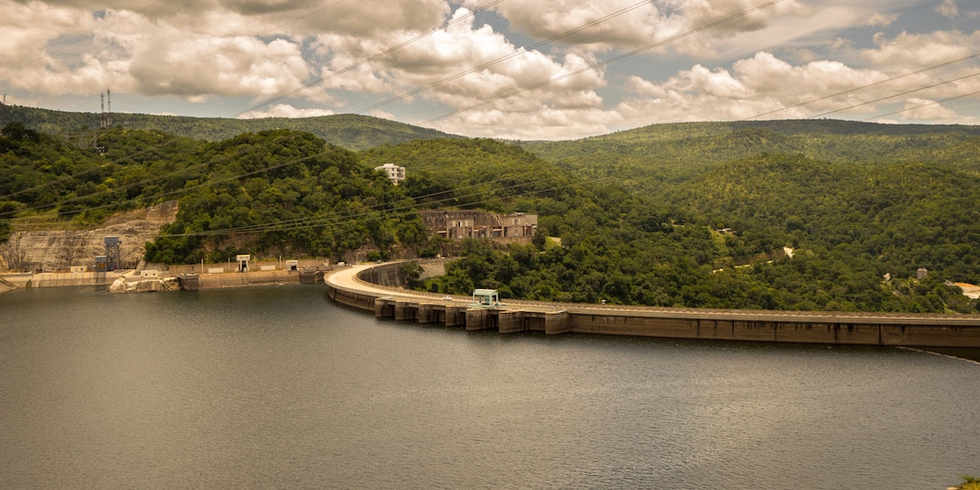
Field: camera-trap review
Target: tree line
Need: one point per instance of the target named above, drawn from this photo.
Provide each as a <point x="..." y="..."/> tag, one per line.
<point x="623" y="228"/>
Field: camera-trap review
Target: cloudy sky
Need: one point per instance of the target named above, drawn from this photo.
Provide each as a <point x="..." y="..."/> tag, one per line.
<point x="526" y="69"/>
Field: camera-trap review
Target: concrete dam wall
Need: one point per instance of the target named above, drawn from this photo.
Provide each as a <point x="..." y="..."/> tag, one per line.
<point x="838" y="328"/>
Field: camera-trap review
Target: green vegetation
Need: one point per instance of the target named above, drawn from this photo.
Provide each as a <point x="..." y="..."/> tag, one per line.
<point x="850" y="224"/>
<point x="969" y="483"/>
<point x="674" y="215"/>
<point x="477" y="173"/>
<point x="45" y="179"/>
<point x="345" y="130"/>
<point x="681" y="151"/>
<point x="283" y="192"/>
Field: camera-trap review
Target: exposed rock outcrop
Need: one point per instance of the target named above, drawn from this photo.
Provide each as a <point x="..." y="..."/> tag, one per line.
<point x="121" y="285"/>
<point x="60" y="249"/>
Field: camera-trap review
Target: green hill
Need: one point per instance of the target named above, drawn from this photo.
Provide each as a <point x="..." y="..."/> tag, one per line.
<point x="680" y="214"/>
<point x="684" y="149"/>
<point x="349" y="131"/>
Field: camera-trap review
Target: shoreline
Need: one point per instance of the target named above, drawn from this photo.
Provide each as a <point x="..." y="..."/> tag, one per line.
<point x="353" y="287"/>
<point x="153" y="281"/>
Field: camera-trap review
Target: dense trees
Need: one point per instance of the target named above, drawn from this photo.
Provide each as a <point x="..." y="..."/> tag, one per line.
<point x="283" y="192"/>
<point x="345" y="130"/>
<point x="269" y="193"/>
<point x="716" y="240"/>
<point x="674" y="215"/>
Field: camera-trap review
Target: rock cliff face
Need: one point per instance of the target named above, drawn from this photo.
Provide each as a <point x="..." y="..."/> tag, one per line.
<point x="61" y="249"/>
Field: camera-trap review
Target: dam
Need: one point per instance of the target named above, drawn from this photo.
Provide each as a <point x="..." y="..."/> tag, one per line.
<point x="378" y="289"/>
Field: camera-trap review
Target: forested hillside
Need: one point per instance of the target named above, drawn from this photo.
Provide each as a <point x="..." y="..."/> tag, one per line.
<point x="283" y="192"/>
<point x="46" y="182"/>
<point x="695" y="215"/>
<point x="271" y="193"/>
<point x="679" y="151"/>
<point x="345" y="130"/>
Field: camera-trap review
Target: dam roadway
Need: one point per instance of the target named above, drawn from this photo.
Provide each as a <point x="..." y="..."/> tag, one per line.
<point x="376" y="288"/>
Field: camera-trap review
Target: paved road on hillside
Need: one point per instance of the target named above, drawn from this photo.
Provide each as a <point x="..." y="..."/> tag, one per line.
<point x="346" y="279"/>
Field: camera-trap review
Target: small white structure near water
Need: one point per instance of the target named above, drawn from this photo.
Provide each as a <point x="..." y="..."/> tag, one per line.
<point x="243" y="262"/>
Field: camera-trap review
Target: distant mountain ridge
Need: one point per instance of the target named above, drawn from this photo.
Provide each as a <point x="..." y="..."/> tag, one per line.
<point x="349" y="131"/>
<point x="678" y="149"/>
<point x="669" y="150"/>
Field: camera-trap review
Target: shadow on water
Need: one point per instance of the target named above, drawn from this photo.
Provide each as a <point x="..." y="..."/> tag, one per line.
<point x="598" y="341"/>
<point x="962" y="353"/>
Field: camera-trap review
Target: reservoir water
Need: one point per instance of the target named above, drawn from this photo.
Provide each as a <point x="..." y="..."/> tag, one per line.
<point x="279" y="388"/>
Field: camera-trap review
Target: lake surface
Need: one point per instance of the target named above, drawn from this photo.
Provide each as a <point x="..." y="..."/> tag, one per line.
<point x="279" y="388"/>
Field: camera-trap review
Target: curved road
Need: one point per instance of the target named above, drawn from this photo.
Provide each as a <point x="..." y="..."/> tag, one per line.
<point x="346" y="279"/>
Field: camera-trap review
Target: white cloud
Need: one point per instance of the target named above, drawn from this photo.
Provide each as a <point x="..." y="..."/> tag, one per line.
<point x="768" y="86"/>
<point x="928" y="110"/>
<point x="285" y="110"/>
<point x="205" y="50"/>
<point x="547" y="18"/>
<point x="258" y="17"/>
<point x="383" y="115"/>
<point x="28" y="29"/>
<point x="545" y="123"/>
<point x="194" y="50"/>
<point x="920" y="50"/>
<point x="737" y="27"/>
<point x="458" y="69"/>
<point x="948" y="9"/>
<point x="169" y="62"/>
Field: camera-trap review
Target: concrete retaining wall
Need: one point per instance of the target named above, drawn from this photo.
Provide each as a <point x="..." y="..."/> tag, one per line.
<point x="959" y="331"/>
<point x="232" y="267"/>
<point x="850" y="333"/>
<point x="356" y="300"/>
<point x="61" y="279"/>
<point x="257" y="278"/>
<point x="390" y="274"/>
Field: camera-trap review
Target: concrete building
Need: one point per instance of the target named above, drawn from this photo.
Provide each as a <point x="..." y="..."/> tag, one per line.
<point x="460" y="224"/>
<point x="519" y="224"/>
<point x="395" y="173"/>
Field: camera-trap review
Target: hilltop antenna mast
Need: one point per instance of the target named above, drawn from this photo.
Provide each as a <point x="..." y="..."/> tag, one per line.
<point x="102" y="105"/>
<point x="108" y="97"/>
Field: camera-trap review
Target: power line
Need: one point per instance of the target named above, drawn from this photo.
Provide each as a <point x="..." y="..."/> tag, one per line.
<point x="397" y="212"/>
<point x="85" y="172"/>
<point x="310" y="84"/>
<point x="273" y="30"/>
<point x="895" y="95"/>
<point x="924" y="105"/>
<point x="862" y="87"/>
<point x="371" y="58"/>
<point x="300" y="222"/>
<point x="217" y="159"/>
<point x="612" y="60"/>
<point x="520" y="52"/>
<point x="606" y="62"/>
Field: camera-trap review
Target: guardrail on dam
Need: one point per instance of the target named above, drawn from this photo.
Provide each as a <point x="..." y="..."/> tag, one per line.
<point x="843" y="328"/>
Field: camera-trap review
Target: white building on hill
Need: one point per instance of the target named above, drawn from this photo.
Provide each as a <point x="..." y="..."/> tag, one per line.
<point x="395" y="173"/>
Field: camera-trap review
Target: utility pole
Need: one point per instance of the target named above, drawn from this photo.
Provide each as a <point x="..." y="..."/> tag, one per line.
<point x="108" y="96"/>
